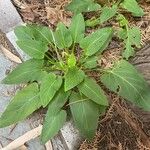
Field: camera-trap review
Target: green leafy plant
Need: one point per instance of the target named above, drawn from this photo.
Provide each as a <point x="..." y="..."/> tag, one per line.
<point x="78" y="6"/>
<point x="130" y="35"/>
<point x="58" y="75"/>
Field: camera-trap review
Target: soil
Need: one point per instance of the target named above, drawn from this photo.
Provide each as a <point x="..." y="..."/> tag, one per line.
<point x="124" y="126"/>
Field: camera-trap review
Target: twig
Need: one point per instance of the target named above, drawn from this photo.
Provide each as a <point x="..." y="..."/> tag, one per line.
<point x="24" y="138"/>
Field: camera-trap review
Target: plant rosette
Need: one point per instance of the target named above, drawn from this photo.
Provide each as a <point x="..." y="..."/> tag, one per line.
<point x="57" y="77"/>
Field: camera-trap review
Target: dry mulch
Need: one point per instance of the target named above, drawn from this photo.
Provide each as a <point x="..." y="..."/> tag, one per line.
<point x="124" y="126"/>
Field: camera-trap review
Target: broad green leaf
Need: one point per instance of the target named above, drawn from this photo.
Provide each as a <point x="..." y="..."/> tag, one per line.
<point x="42" y="33"/>
<point x="93" y="91"/>
<point x="73" y="77"/>
<point x="24" y="33"/>
<point x="35" y="49"/>
<point x="58" y="101"/>
<point x="31" y="70"/>
<point x="91" y="62"/>
<point x="124" y="79"/>
<point x="62" y="36"/>
<point x="85" y="114"/>
<point x="34" y="32"/>
<point x="77" y="28"/>
<point x="133" y="7"/>
<point x="52" y="125"/>
<point x="122" y="33"/>
<point x="133" y="38"/>
<point x="123" y="22"/>
<point x="21" y="106"/>
<point x="49" y="86"/>
<point x="54" y="108"/>
<point x="108" y="13"/>
<point x="71" y="60"/>
<point x="97" y="41"/>
<point x="129" y="50"/>
<point x="134" y="35"/>
<point x="92" y="22"/>
<point x="78" y="6"/>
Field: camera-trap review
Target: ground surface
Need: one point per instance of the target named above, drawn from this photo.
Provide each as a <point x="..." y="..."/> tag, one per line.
<point x="123" y="127"/>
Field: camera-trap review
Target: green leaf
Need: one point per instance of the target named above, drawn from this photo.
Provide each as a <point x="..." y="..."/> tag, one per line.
<point x="108" y="13"/>
<point x="24" y="33"/>
<point x="62" y="36"/>
<point x="77" y="28"/>
<point x="97" y="41"/>
<point x="134" y="35"/>
<point x="92" y="22"/>
<point x="52" y="125"/>
<point x="85" y="114"/>
<point x="34" y="32"/>
<point x="133" y="7"/>
<point x="93" y="91"/>
<point x="35" y="49"/>
<point x="54" y="108"/>
<point x="133" y="38"/>
<point x="21" y="106"/>
<point x="31" y="70"/>
<point x="129" y="50"/>
<point x="124" y="79"/>
<point x="91" y="62"/>
<point x="42" y="33"/>
<point x="123" y="22"/>
<point x="122" y="33"/>
<point x="78" y="6"/>
<point x="58" y="101"/>
<point x="71" y="60"/>
<point x="73" y="77"/>
<point x="49" y="86"/>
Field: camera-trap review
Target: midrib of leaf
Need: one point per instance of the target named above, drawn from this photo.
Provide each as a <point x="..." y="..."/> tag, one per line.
<point x="54" y="41"/>
<point x="49" y="87"/>
<point x="33" y="70"/>
<point x="84" y="114"/>
<point x="81" y="100"/>
<point x="33" y="49"/>
<point x="27" y="102"/>
<point x="91" y="90"/>
<point x="18" y="109"/>
<point x="128" y="83"/>
<point x="76" y="31"/>
<point x="42" y="35"/>
<point x="53" y="119"/>
<point x="63" y="38"/>
<point x="95" y="41"/>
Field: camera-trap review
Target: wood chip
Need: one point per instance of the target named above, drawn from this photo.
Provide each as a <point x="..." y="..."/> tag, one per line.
<point x="48" y="146"/>
<point x="0" y="146"/>
<point x="10" y="55"/>
<point x="23" y="139"/>
<point x="22" y="148"/>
